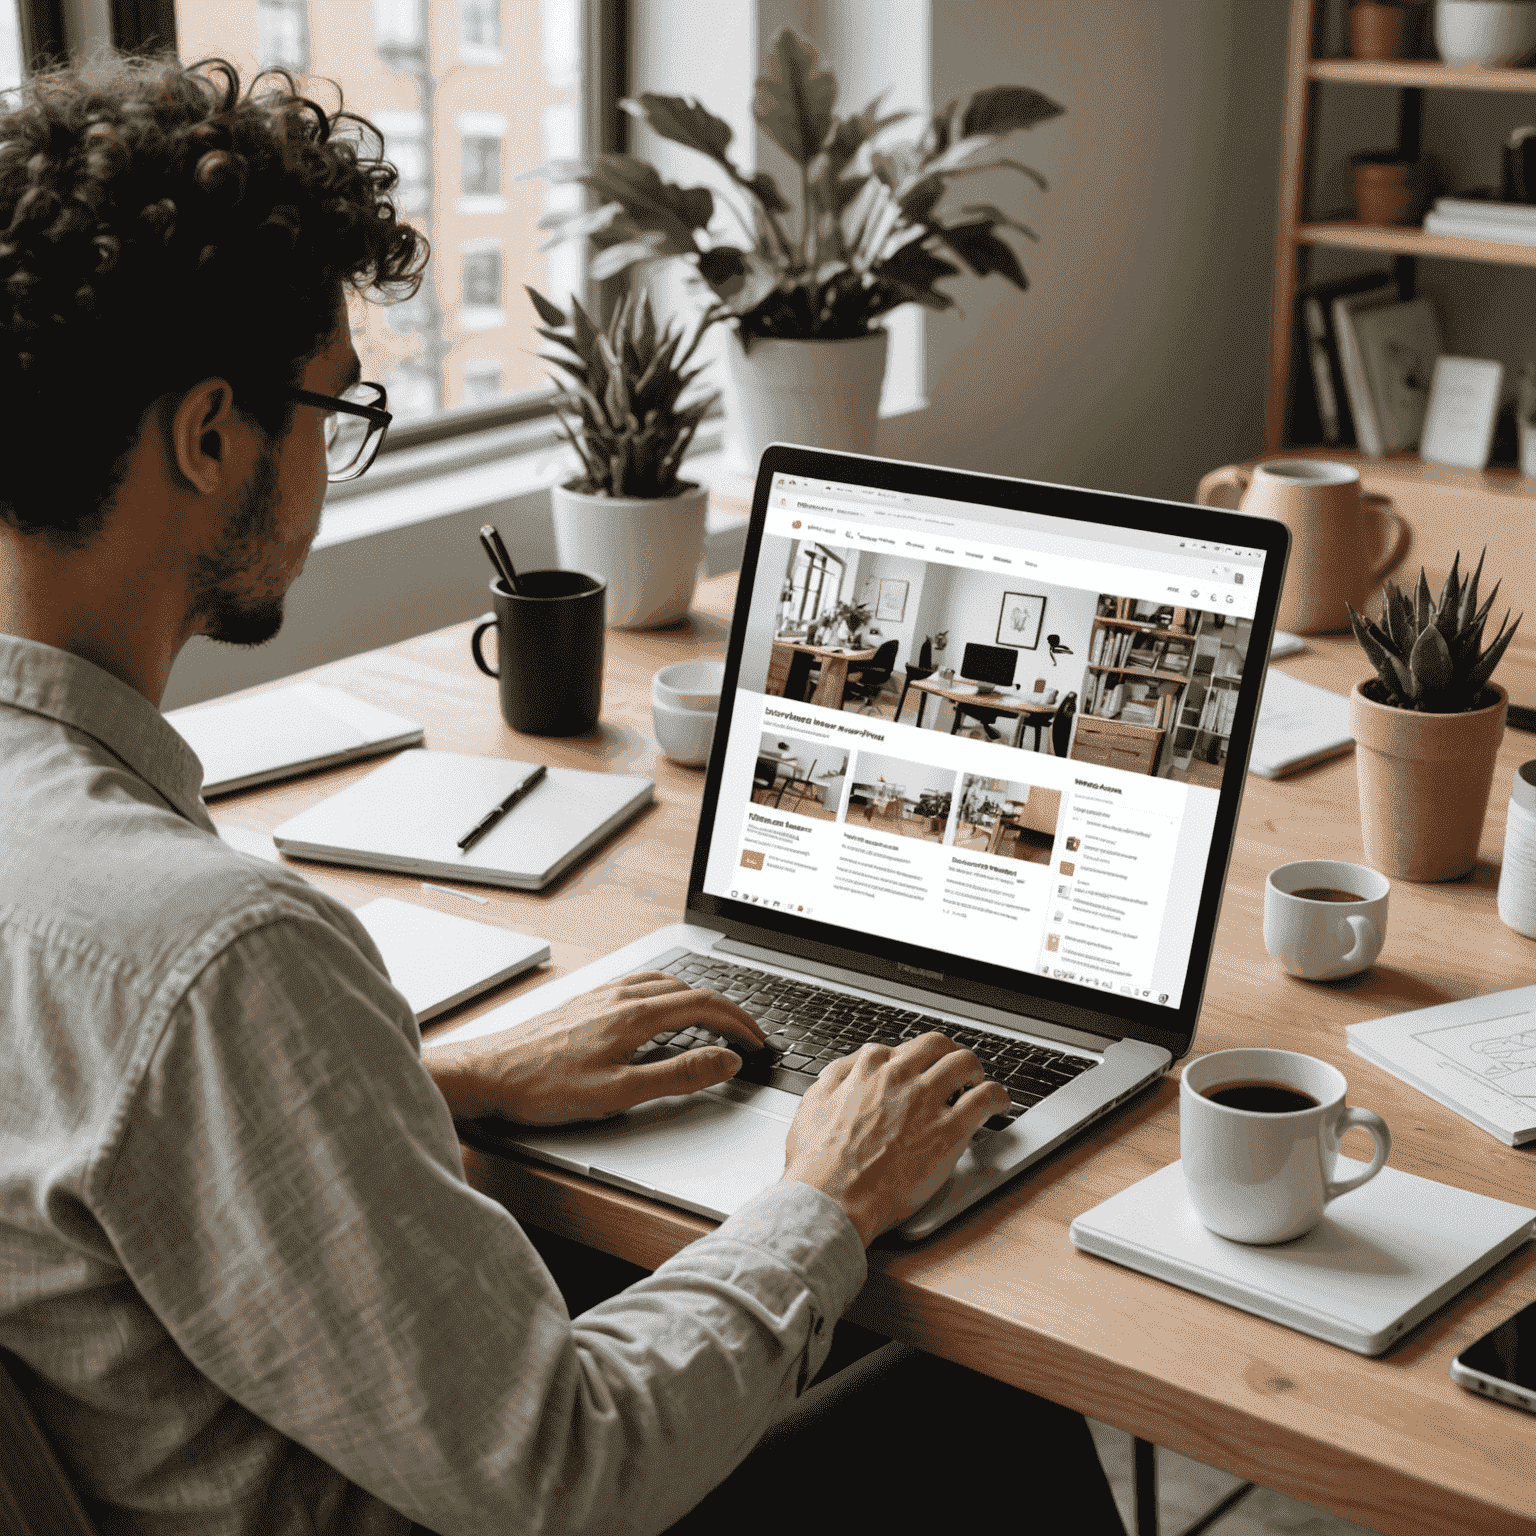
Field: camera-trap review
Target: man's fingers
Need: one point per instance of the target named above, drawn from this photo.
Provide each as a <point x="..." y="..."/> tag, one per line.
<point x="972" y="1110"/>
<point x="650" y="1016"/>
<point x="652" y="984"/>
<point x="699" y="1068"/>
<point x="953" y="1071"/>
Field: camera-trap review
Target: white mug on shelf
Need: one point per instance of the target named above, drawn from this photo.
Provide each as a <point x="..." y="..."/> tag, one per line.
<point x="1259" y="1134"/>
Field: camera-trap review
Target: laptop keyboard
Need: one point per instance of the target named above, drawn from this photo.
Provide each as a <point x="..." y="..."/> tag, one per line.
<point x="809" y="1027"/>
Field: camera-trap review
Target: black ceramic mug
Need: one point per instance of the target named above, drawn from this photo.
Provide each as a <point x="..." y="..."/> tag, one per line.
<point x="549" y="651"/>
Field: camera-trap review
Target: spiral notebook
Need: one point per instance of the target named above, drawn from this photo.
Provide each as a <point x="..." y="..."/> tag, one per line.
<point x="408" y="816"/>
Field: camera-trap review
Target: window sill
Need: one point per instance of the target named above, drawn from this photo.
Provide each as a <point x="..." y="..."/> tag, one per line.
<point x="481" y="202"/>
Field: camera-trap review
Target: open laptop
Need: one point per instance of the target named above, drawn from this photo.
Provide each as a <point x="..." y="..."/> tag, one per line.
<point x="860" y="877"/>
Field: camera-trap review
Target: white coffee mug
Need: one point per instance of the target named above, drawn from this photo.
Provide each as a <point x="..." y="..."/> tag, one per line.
<point x="1264" y="1177"/>
<point x="1323" y="937"/>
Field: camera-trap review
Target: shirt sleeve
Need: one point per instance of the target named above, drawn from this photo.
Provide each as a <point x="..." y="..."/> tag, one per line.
<point x="286" y="1194"/>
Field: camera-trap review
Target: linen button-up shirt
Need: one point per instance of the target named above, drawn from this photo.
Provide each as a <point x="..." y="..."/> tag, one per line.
<point x="249" y="1286"/>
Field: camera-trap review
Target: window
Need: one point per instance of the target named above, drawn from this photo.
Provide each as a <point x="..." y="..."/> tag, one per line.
<point x="10" y="46"/>
<point x="480" y="305"/>
<point x="482" y="135"/>
<point x="815" y="586"/>
<point x="282" y="34"/>
<point x="480" y="31"/>
<point x="465" y="106"/>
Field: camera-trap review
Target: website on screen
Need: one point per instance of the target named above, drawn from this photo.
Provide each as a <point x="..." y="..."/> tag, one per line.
<point x="999" y="735"/>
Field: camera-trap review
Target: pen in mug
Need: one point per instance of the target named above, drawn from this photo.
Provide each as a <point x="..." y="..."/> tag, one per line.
<point x="496" y="812"/>
<point x="501" y="561"/>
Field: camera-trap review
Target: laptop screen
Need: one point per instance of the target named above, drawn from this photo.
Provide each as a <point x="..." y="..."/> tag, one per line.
<point x="981" y="729"/>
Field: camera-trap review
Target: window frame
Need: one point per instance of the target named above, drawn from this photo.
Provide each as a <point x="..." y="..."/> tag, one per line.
<point x="150" y="25"/>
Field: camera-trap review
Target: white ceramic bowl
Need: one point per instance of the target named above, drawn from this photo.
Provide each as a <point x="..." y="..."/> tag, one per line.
<point x="690" y="685"/>
<point x="685" y="735"/>
<point x="1485" y="34"/>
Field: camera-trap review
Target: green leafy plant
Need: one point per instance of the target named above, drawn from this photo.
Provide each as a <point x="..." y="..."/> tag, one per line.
<point x="867" y="236"/>
<point x="619" y="397"/>
<point x="853" y="617"/>
<point x="1429" y="655"/>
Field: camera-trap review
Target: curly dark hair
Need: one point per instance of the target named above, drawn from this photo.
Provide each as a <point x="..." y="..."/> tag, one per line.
<point x="160" y="226"/>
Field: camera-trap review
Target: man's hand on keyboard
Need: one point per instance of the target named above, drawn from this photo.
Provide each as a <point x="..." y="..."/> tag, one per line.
<point x="575" y="1062"/>
<point x="878" y="1132"/>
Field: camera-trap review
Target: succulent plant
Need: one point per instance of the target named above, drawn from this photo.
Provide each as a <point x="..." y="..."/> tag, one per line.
<point x="620" y="389"/>
<point x="1429" y="655"/>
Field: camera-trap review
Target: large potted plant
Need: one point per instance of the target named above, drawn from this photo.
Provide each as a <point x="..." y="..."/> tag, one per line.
<point x="1427" y="727"/>
<point x="804" y="286"/>
<point x="627" y="516"/>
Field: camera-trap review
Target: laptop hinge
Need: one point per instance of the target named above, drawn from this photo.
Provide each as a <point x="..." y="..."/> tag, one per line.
<point x="916" y="996"/>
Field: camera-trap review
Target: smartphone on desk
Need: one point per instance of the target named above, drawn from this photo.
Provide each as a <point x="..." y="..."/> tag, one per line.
<point x="1502" y="1364"/>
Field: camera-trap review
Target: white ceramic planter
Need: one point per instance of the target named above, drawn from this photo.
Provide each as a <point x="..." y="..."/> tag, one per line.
<point x="647" y="551"/>
<point x="825" y="394"/>
<point x="1485" y="34"/>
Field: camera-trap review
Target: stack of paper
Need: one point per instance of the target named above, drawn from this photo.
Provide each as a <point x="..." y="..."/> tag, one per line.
<point x="1299" y="724"/>
<point x="1474" y="219"/>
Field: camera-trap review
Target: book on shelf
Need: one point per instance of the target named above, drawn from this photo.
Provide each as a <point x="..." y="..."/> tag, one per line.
<point x="1399" y="346"/>
<point x="1488" y="210"/>
<point x="1328" y="398"/>
<point x="1479" y="229"/>
<point x="1348" y="311"/>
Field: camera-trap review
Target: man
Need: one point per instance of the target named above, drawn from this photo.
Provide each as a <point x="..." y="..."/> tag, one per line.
<point x="246" y="1284"/>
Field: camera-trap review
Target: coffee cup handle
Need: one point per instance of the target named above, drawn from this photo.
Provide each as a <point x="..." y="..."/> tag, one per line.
<point x="487" y="621"/>
<point x="1227" y="478"/>
<point x="1379" y="1134"/>
<point x="1365" y="935"/>
<point x="1399" y="537"/>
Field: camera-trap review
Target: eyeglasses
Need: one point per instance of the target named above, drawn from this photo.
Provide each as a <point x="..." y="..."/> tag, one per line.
<point x="354" y="427"/>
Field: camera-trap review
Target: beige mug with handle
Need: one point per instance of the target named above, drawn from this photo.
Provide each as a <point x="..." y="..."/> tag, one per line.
<point x="1344" y="541"/>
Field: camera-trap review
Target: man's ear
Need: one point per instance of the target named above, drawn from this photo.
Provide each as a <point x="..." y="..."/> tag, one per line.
<point x="202" y="428"/>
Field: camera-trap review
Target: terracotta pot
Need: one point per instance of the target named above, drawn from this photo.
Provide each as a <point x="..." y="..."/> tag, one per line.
<point x="1376" y="31"/>
<point x="1424" y="782"/>
<point x="1385" y="194"/>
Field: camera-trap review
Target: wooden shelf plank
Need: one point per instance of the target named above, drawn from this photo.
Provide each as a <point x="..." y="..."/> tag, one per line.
<point x="1419" y="73"/>
<point x="1156" y="677"/>
<point x="1347" y="234"/>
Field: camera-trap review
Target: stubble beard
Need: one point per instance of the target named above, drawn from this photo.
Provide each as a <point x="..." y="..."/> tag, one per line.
<point x="228" y="602"/>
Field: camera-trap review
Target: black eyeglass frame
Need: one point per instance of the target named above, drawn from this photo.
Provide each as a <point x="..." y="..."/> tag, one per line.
<point x="376" y="416"/>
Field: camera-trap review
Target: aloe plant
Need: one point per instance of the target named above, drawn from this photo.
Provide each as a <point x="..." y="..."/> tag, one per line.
<point x="1429" y="655"/>
<point x="619" y="396"/>
<point x="868" y="234"/>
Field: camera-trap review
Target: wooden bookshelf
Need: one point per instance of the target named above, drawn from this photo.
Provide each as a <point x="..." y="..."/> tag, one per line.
<point x="1298" y="235"/>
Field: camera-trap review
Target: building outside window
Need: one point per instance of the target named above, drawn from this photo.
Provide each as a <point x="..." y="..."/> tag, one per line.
<point x="459" y="136"/>
<point x="282" y="34"/>
<point x="482" y="382"/>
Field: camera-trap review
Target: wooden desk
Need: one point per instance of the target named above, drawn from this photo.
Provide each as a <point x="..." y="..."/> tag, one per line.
<point x="1390" y="1443"/>
<point x="962" y="694"/>
<point x="789" y="664"/>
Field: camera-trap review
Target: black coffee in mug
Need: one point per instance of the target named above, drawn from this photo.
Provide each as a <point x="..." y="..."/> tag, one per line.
<point x="1260" y="1098"/>
<point x="1325" y="893"/>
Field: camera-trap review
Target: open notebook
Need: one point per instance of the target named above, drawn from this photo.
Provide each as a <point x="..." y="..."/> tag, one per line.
<point x="244" y="742"/>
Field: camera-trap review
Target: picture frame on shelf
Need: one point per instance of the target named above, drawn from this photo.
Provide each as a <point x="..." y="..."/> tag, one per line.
<point x="892" y="600"/>
<point x="1020" y="619"/>
<point x="1463" y="407"/>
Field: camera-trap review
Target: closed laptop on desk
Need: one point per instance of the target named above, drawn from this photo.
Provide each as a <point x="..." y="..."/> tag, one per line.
<point x="859" y="876"/>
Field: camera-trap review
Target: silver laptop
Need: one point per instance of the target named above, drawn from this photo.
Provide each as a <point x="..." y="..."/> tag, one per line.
<point x="977" y="768"/>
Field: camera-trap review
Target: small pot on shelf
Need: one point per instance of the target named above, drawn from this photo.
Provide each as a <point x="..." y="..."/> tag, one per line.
<point x="1386" y="188"/>
<point x="1378" y="29"/>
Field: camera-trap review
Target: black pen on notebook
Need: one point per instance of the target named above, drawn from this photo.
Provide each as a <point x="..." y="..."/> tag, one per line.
<point x="496" y="812"/>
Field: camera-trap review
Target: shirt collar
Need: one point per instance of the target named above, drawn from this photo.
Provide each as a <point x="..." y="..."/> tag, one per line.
<point x="77" y="693"/>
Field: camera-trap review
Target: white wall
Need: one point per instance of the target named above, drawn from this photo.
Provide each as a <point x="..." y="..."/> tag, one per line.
<point x="872" y="570"/>
<point x="1136" y="360"/>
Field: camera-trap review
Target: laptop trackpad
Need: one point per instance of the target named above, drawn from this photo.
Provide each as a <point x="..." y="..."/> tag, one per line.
<point x="707" y="1154"/>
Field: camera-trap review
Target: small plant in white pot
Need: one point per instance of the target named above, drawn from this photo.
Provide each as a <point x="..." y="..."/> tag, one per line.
<point x="1427" y="727"/>
<point x="628" y="517"/>
<point x="803" y="289"/>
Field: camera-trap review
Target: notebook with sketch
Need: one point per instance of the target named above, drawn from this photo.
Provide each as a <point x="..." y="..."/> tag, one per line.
<point x="293" y="730"/>
<point x="409" y="815"/>
<point x="858" y="876"/>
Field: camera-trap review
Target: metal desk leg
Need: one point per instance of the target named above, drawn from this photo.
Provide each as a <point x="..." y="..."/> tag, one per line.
<point x="1145" y="1463"/>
